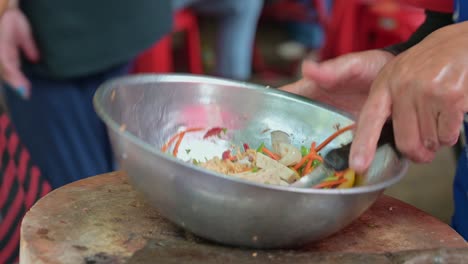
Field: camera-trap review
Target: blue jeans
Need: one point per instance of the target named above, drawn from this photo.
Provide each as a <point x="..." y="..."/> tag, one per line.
<point x="60" y="128"/>
<point x="460" y="193"/>
<point x="236" y="32"/>
<point x="460" y="185"/>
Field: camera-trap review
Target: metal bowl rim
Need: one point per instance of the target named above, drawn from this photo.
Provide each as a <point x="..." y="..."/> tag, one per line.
<point x="131" y="79"/>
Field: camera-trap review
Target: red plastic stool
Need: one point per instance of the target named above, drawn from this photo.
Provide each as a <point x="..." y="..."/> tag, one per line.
<point x="159" y="59"/>
<point x="390" y="23"/>
<point x="358" y="25"/>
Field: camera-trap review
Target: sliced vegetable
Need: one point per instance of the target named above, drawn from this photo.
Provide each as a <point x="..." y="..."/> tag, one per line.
<point x="311" y="155"/>
<point x="350" y="177"/>
<point x="290" y="155"/>
<point x="316" y="163"/>
<point x="260" y="148"/>
<point x="215" y="131"/>
<point x="333" y="136"/>
<point x="308" y="167"/>
<point x="176" y="148"/>
<point x="296" y="176"/>
<point x="270" y="154"/>
<point x="226" y="155"/>
<point x="278" y="137"/>
<point x="166" y="146"/>
<point x="331" y="178"/>
<point x="246" y="146"/>
<point x="329" y="183"/>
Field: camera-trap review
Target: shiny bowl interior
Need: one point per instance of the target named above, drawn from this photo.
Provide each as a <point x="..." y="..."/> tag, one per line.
<point x="142" y="112"/>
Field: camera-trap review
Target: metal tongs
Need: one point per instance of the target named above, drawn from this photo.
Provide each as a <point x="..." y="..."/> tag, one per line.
<point x="337" y="159"/>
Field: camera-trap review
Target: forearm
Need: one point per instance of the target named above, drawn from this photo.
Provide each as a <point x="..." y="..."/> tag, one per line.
<point x="434" y="21"/>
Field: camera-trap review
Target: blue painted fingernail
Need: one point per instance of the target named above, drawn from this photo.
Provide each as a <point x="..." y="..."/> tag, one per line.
<point x="21" y="91"/>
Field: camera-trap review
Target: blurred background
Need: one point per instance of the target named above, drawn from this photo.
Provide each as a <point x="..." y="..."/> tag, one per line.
<point x="285" y="32"/>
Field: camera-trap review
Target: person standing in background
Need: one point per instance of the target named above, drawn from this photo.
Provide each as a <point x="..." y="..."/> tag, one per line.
<point x="237" y="24"/>
<point x="53" y="56"/>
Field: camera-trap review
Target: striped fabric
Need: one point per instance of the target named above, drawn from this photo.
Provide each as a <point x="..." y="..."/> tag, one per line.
<point x="21" y="185"/>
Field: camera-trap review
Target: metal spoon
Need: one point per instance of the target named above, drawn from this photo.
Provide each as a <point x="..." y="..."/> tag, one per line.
<point x="337" y="159"/>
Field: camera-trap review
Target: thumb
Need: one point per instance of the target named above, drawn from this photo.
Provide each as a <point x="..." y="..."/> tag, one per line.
<point x="329" y="74"/>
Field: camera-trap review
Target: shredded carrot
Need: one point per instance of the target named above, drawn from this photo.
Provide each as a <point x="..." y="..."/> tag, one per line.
<point x="308" y="167"/>
<point x="311" y="156"/>
<point x="333" y="136"/>
<point x="246" y="169"/>
<point x="176" y="148"/>
<point x="329" y="183"/>
<point x="318" y="157"/>
<point x="302" y="161"/>
<point x="312" y="146"/>
<point x="339" y="174"/>
<point x="168" y="143"/>
<point x="271" y="154"/>
<point x="176" y="136"/>
<point x="194" y="129"/>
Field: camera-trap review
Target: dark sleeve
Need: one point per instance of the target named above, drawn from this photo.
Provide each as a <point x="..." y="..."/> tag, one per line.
<point x="434" y="21"/>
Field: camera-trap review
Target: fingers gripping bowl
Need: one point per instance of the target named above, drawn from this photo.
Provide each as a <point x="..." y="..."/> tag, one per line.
<point x="142" y="112"/>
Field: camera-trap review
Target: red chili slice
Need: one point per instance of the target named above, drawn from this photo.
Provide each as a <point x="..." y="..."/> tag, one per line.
<point x="216" y="131"/>
<point x="226" y="155"/>
<point x="246" y="146"/>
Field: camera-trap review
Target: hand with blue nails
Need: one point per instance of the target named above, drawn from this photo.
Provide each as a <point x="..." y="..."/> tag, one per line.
<point x="16" y="37"/>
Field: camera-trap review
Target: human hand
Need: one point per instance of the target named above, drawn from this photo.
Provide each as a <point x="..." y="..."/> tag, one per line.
<point x="3" y="6"/>
<point x="425" y="91"/>
<point x="15" y="36"/>
<point x="343" y="82"/>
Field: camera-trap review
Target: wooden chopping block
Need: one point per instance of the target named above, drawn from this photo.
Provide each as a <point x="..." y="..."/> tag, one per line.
<point x="102" y="219"/>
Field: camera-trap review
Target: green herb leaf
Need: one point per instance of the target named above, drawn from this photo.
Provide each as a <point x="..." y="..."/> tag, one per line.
<point x="188" y="151"/>
<point x="260" y="148"/>
<point x="255" y="169"/>
<point x="304" y="151"/>
<point x="330" y="179"/>
<point x="316" y="163"/>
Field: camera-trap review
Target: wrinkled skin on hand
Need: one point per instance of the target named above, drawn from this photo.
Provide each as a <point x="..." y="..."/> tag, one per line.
<point x="343" y="82"/>
<point x="425" y="91"/>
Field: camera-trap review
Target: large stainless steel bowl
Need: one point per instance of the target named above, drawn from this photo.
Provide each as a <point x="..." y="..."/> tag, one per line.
<point x="142" y="112"/>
